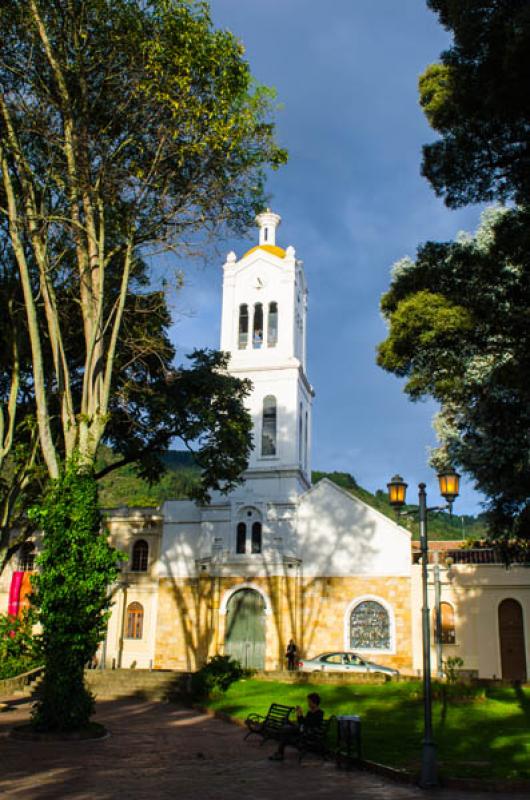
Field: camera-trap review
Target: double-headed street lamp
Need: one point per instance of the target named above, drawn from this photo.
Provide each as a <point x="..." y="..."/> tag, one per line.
<point x="449" y="489"/>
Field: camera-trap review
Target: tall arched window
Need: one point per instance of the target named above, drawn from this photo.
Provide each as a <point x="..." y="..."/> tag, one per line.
<point x="446" y="634"/>
<point x="135" y="621"/>
<point x="256" y="537"/>
<point x="306" y="426"/>
<point x="369" y="627"/>
<point x="243" y="326"/>
<point x="241" y="543"/>
<point x="301" y="435"/>
<point x="26" y="557"/>
<point x="268" y="426"/>
<point x="140" y="556"/>
<point x="272" y="330"/>
<point x="257" y="328"/>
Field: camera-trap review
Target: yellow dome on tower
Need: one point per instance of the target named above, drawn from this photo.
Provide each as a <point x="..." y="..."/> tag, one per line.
<point x="279" y="252"/>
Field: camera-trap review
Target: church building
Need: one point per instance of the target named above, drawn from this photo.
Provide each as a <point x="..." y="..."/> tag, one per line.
<point x="280" y="559"/>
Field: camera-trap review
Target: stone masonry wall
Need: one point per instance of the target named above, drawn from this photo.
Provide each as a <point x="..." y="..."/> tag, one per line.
<point x="191" y="621"/>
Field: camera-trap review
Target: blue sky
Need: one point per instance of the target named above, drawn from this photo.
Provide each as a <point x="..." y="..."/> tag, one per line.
<point x="352" y="202"/>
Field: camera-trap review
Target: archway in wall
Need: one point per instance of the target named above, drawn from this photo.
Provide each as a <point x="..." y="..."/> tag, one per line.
<point x="512" y="644"/>
<point x="245" y="629"/>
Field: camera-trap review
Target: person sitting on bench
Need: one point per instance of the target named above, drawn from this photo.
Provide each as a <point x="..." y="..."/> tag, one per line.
<point x="290" y="733"/>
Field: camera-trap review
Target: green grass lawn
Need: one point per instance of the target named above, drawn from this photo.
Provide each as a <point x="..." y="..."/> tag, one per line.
<point x="486" y="738"/>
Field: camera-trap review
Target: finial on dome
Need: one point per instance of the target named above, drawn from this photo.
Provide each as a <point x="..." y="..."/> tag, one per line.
<point x="267" y="222"/>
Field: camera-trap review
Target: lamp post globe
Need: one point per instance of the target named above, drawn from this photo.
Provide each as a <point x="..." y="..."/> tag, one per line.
<point x="397" y="491"/>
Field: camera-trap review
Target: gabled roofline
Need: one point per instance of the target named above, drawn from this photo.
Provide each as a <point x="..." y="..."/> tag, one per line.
<point x="354" y="499"/>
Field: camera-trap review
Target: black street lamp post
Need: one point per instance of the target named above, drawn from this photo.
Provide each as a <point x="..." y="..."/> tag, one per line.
<point x="449" y="487"/>
<point x="428" y="776"/>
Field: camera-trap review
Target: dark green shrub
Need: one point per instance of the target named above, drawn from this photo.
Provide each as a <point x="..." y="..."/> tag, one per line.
<point x="77" y="566"/>
<point x="216" y="676"/>
<point x="19" y="649"/>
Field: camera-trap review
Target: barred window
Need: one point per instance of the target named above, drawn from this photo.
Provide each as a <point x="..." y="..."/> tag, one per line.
<point x="135" y="621"/>
<point x="369" y="627"/>
<point x="26" y="557"/>
<point x="140" y="556"/>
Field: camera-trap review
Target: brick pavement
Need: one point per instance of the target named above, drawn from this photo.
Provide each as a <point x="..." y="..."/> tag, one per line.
<point x="158" y="751"/>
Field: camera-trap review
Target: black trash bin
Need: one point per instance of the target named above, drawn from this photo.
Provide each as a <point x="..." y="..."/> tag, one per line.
<point x="349" y="750"/>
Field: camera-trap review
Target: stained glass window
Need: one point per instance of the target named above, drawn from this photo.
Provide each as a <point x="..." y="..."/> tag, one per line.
<point x="369" y="627"/>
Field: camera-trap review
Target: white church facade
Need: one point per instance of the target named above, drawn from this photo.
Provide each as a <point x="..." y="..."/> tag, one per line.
<point x="279" y="558"/>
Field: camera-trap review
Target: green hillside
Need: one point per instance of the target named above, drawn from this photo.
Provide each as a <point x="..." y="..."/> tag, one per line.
<point x="124" y="488"/>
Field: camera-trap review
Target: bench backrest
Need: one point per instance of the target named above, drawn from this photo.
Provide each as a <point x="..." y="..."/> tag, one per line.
<point x="277" y="715"/>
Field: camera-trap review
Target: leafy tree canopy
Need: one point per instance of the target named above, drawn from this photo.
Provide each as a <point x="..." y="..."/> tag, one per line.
<point x="126" y="128"/>
<point x="459" y="331"/>
<point x="477" y="98"/>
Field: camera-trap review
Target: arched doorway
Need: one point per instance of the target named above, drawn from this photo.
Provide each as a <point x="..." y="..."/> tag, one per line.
<point x="245" y="629"/>
<point x="511" y="636"/>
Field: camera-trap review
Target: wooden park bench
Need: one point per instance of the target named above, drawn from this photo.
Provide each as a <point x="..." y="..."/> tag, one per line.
<point x="269" y="726"/>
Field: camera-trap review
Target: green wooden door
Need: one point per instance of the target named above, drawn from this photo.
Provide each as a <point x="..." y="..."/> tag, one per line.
<point x="245" y="629"/>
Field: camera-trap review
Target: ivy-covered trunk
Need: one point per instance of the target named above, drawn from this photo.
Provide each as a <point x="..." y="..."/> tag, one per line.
<point x="76" y="567"/>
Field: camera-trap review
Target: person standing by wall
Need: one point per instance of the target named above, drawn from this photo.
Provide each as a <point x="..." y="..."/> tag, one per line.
<point x="291" y="655"/>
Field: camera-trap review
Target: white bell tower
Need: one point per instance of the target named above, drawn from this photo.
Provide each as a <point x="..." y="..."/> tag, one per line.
<point x="264" y="330"/>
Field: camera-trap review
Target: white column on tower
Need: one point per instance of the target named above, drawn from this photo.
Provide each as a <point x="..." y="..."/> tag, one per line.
<point x="268" y="221"/>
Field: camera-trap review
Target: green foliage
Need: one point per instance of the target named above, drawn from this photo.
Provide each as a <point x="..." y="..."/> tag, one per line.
<point x="342" y="479"/>
<point x="459" y="331"/>
<point x="19" y="648"/>
<point x="125" y="487"/>
<point x="127" y="128"/>
<point x="76" y="567"/>
<point x="451" y="667"/>
<point x="459" y="327"/>
<point x="216" y="676"/>
<point x="477" y="98"/>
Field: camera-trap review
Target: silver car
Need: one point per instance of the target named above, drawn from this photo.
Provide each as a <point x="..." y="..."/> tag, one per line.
<point x="343" y="662"/>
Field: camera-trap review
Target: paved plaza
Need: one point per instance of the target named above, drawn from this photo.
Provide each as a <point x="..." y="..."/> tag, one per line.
<point x="157" y="751"/>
